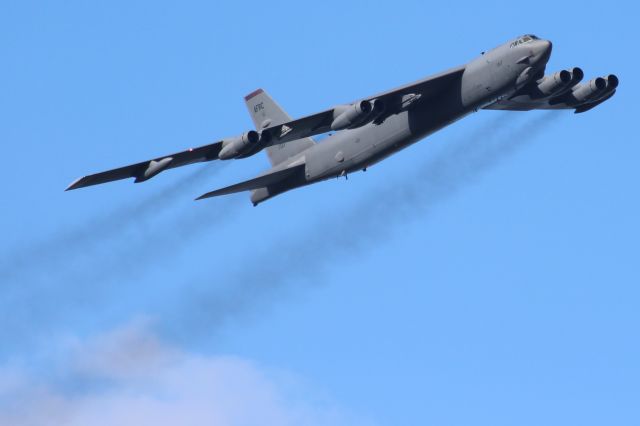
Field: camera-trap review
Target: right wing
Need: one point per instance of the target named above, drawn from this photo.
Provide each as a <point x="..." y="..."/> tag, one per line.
<point x="394" y="101"/>
<point x="147" y="169"/>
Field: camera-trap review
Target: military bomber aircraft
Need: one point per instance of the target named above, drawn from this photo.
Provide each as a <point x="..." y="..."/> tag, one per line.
<point x="509" y="77"/>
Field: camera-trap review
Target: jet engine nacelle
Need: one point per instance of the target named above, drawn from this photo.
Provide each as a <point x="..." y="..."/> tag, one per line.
<point x="593" y="89"/>
<point x="559" y="82"/>
<point x="235" y="147"/>
<point x="612" y="84"/>
<point x="352" y="116"/>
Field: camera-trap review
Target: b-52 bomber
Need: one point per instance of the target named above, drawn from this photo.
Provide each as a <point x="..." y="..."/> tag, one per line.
<point x="509" y="77"/>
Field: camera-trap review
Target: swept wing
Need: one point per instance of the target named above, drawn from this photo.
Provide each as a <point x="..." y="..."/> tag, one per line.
<point x="251" y="142"/>
<point x="270" y="178"/>
<point x="147" y="169"/>
<point x="393" y="100"/>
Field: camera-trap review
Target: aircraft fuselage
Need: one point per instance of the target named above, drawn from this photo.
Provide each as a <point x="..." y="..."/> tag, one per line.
<point x="494" y="74"/>
<point x="510" y="77"/>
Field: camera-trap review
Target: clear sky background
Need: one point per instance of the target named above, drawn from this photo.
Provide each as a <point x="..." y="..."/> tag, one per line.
<point x="496" y="283"/>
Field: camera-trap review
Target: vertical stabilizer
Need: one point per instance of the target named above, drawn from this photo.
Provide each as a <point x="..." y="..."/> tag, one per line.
<point x="265" y="112"/>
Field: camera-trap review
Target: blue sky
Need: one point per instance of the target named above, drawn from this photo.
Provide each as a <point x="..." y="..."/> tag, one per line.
<point x="496" y="286"/>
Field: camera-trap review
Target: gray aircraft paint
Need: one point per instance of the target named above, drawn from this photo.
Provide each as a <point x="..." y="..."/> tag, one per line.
<point x="483" y="80"/>
<point x="266" y="112"/>
<point x="509" y="77"/>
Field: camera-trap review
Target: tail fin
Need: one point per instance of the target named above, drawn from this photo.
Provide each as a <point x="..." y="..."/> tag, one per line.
<point x="265" y="112"/>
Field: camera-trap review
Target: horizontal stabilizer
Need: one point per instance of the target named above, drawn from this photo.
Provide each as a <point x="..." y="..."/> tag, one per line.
<point x="259" y="182"/>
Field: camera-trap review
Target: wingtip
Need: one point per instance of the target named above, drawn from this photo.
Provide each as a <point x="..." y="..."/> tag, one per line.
<point x="210" y="194"/>
<point x="74" y="184"/>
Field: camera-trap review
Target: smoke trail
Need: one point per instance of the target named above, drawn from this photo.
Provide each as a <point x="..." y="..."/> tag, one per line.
<point x="43" y="255"/>
<point x="370" y="221"/>
<point x="79" y="267"/>
<point x="99" y="290"/>
<point x="125" y="262"/>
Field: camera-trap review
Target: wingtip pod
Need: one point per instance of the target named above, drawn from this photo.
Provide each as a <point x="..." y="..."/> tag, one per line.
<point x="153" y="169"/>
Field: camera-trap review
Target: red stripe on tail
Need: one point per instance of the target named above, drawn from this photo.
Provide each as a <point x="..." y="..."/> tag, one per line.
<point x="252" y="94"/>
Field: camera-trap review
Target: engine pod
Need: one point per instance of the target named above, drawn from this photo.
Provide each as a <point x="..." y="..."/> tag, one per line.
<point x="235" y="147"/>
<point x="351" y="116"/>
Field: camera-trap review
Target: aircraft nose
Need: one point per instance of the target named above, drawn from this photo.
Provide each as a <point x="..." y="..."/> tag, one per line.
<point x="544" y="49"/>
<point x="546" y="45"/>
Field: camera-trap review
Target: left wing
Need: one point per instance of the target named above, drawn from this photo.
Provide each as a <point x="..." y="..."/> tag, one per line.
<point x="374" y="109"/>
<point x="561" y="90"/>
<point x="148" y="169"/>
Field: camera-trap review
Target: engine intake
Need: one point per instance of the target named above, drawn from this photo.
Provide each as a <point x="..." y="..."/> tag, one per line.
<point x="577" y="74"/>
<point x="559" y="83"/>
<point x="554" y="83"/>
<point x="612" y="81"/>
<point x="235" y="147"/>
<point x="352" y="116"/>
<point x="611" y="85"/>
